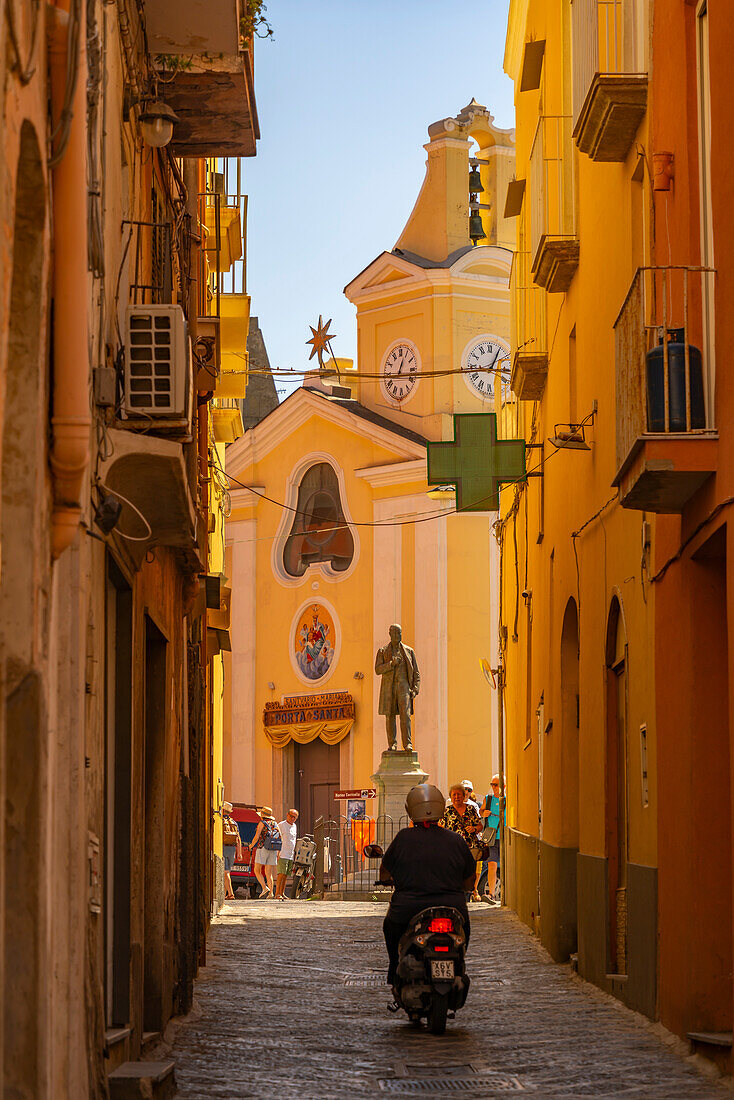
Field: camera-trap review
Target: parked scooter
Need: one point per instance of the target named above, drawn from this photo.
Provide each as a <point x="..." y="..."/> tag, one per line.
<point x="431" y="977"/>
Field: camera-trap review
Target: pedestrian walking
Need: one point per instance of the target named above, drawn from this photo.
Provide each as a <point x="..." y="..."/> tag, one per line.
<point x="289" y="835"/>
<point x="472" y="802"/>
<point x="268" y="842"/>
<point x="490" y="814"/>
<point x="462" y="818"/>
<point x="470" y="799"/>
<point x="231" y="848"/>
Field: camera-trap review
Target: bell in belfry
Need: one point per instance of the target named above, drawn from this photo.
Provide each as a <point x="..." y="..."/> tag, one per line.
<point x="476" y="230"/>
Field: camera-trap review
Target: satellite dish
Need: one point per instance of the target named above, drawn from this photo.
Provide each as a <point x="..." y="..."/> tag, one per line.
<point x="488" y="672"/>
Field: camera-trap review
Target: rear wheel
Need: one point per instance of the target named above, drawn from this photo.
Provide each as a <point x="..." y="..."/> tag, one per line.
<point x="438" y="1013"/>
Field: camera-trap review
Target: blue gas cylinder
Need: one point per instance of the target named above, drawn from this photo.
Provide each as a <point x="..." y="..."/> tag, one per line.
<point x="676" y="385"/>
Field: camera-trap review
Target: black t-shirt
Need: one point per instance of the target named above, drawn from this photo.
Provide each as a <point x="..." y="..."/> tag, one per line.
<point x="428" y="867"/>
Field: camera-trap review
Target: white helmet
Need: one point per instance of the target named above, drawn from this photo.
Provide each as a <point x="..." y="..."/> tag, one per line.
<point x="425" y="803"/>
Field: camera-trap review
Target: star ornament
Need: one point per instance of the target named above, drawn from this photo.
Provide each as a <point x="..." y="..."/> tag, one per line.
<point x="320" y="339"/>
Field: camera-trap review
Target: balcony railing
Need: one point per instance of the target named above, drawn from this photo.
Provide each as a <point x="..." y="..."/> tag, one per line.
<point x="530" y="351"/>
<point x="609" y="91"/>
<point x="664" y="382"/>
<point x="553" y="240"/>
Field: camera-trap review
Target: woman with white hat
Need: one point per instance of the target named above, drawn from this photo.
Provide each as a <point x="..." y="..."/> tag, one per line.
<point x="266" y="857"/>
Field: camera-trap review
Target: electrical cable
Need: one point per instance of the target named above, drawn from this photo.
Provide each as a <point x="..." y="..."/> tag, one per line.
<point x="116" y="493"/>
<point x="25" y="69"/>
<point x="687" y="541"/>
<point x="421" y="517"/>
<point x="62" y="130"/>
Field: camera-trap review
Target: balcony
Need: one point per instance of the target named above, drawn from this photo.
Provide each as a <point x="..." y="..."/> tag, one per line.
<point x="609" y="94"/>
<point x="530" y="358"/>
<point x="197" y="47"/>
<point x="553" y="241"/>
<point x="666" y="444"/>
<point x="224" y="307"/>
<point x="227" y="420"/>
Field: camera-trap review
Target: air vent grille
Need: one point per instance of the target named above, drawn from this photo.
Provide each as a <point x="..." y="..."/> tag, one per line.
<point x="156" y="362"/>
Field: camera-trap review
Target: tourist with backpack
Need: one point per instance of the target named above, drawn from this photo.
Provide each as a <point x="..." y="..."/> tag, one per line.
<point x="268" y="842"/>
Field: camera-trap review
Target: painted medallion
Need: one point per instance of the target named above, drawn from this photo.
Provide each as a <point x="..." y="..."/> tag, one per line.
<point x="314" y="641"/>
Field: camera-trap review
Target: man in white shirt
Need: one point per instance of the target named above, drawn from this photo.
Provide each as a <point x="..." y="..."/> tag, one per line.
<point x="469" y="788"/>
<point x="289" y="833"/>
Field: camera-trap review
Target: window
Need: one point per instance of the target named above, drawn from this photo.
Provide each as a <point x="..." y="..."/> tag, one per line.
<point x="319" y="532"/>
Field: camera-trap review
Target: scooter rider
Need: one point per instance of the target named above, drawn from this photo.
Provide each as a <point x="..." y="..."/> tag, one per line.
<point x="427" y="866"/>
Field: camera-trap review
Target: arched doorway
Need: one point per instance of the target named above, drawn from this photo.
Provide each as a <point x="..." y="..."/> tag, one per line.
<point x="22" y="575"/>
<point x="570" y="721"/>
<point x="616" y="786"/>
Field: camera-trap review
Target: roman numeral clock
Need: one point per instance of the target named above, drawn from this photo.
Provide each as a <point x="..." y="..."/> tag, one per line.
<point x="400" y="369"/>
<point x="483" y="356"/>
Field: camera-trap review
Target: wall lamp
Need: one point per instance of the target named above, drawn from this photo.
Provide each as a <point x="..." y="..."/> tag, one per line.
<point x="157" y="120"/>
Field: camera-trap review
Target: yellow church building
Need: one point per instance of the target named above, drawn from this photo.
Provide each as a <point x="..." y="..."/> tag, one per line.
<point x="333" y="535"/>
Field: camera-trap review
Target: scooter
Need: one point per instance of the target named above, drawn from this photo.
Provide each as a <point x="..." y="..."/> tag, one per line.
<point x="431" y="976"/>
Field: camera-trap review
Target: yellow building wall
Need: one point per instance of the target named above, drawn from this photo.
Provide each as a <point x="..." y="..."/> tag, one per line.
<point x="216" y="682"/>
<point x="540" y="554"/>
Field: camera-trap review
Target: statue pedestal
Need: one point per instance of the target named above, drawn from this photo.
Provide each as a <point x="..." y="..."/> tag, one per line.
<point x="397" y="773"/>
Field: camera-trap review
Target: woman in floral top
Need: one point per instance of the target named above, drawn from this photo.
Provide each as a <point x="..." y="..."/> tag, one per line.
<point x="460" y="817"/>
<point x="463" y="819"/>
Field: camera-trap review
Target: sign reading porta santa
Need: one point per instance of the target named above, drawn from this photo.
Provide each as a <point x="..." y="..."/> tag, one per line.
<point x="303" y="718"/>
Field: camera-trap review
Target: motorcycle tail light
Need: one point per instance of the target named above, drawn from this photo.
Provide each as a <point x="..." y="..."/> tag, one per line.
<point x="438" y="948"/>
<point x="441" y="924"/>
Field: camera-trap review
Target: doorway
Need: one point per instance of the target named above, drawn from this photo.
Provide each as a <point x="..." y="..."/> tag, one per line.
<point x="570" y="722"/>
<point x="119" y="647"/>
<point x="616" y="787"/>
<point x="154" y="835"/>
<point x="316" y="781"/>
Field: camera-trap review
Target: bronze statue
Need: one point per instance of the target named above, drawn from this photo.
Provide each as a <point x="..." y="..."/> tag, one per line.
<point x="401" y="682"/>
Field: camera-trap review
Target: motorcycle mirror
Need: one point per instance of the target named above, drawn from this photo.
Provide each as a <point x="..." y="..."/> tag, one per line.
<point x="373" y="851"/>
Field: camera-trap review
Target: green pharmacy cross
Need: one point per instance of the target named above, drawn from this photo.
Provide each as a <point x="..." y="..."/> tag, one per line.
<point x="476" y="462"/>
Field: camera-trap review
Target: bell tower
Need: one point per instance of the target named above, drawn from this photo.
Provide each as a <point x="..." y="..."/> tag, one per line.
<point x="433" y="312"/>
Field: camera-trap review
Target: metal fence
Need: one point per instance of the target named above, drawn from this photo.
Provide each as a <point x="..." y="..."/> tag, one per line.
<point x="663" y="300"/>
<point x="341" y="865"/>
<point x="604" y="41"/>
<point x="553" y="211"/>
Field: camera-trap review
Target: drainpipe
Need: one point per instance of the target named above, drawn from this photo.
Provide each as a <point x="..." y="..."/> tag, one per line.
<point x="70" y="415"/>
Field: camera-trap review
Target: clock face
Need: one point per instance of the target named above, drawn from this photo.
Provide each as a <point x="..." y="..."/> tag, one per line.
<point x="400" y="371"/>
<point x="482" y="358"/>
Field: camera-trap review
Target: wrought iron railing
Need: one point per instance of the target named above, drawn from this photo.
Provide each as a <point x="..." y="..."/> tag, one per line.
<point x="663" y="340"/>
<point x="603" y="41"/>
<point x="528" y="302"/>
<point x="345" y="868"/>
<point x="552" y="200"/>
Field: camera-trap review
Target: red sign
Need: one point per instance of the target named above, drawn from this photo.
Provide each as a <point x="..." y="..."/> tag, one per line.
<point x="366" y="792"/>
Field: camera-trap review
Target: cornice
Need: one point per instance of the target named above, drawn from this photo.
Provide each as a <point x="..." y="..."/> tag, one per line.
<point x="259" y="441"/>
<point x="515" y="40"/>
<point x="393" y="473"/>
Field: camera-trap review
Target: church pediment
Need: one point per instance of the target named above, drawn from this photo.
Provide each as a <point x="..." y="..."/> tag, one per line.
<point x="301" y="408"/>
<point x="383" y="274"/>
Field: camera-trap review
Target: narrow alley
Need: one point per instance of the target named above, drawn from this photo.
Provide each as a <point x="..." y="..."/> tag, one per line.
<point x="292" y="1003"/>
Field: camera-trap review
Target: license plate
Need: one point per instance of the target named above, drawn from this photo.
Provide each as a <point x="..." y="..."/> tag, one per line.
<point x="442" y="968"/>
<point x="240" y="867"/>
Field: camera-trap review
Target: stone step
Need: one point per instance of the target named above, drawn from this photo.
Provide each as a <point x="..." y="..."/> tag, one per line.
<point x="711" y="1038"/>
<point x="151" y="1039"/>
<point x="142" y="1081"/>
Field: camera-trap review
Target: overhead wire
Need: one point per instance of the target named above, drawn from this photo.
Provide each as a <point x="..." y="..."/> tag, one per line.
<point x="420" y="517"/>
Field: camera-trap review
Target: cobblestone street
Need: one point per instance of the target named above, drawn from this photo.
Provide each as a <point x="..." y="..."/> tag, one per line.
<point x="293" y="1003"/>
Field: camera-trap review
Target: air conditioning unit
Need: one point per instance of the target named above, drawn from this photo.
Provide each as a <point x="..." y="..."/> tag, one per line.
<point x="158" y="370"/>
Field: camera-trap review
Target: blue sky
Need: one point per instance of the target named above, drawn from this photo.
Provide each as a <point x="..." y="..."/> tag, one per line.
<point x="345" y="94"/>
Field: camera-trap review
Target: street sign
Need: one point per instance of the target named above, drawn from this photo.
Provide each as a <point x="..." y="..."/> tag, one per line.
<point x="366" y="792"/>
<point x="476" y="462"/>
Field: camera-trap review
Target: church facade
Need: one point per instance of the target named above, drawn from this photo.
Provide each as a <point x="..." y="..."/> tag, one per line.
<point x="335" y="535"/>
